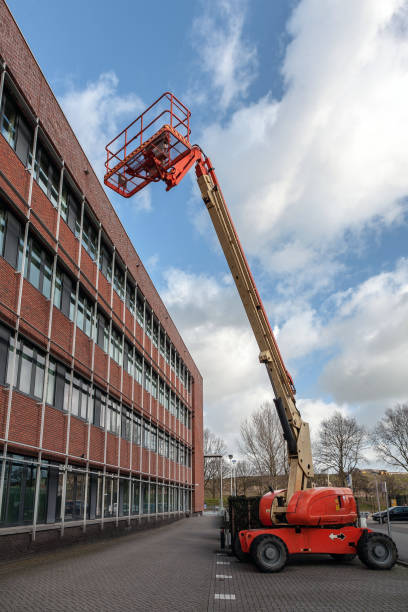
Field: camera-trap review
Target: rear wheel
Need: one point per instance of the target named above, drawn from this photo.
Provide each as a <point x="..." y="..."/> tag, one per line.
<point x="269" y="553"/>
<point x="343" y="558"/>
<point x="237" y="550"/>
<point x="377" y="551"/>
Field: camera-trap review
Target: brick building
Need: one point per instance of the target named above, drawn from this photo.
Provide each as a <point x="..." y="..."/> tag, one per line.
<point x="100" y="400"/>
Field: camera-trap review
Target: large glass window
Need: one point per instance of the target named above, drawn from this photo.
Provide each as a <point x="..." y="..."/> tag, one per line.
<point x="135" y="497"/>
<point x="19" y="492"/>
<point x="85" y="314"/>
<point x="15" y="129"/>
<point x="130" y="297"/>
<point x="140" y="309"/>
<point x="47" y="174"/>
<point x="105" y="261"/>
<point x="10" y="238"/>
<point x="129" y="362"/>
<point x="70" y="209"/>
<point x="148" y="322"/>
<point x="137" y="429"/>
<point x="147" y="378"/>
<point x="139" y="368"/>
<point x="111" y="496"/>
<point x="30" y="368"/>
<point x="113" y="416"/>
<point x="126" y="423"/>
<point x="154" y="384"/>
<point x="90" y="237"/>
<point x="119" y="281"/>
<point x="75" y="496"/>
<point x="116" y="346"/>
<point x="162" y="343"/>
<point x="38" y="267"/>
<point x="102" y="335"/>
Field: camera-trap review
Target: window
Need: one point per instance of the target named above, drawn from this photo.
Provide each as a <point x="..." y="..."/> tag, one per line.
<point x="161" y="392"/>
<point x="119" y="281"/>
<point x="85" y="314"/>
<point x="155" y="332"/>
<point x="47" y="175"/>
<point x="154" y="384"/>
<point x="172" y="403"/>
<point x="146" y="434"/>
<point x="177" y="365"/>
<point x="147" y="378"/>
<point x="38" y="267"/>
<point x="30" y="369"/>
<point x="167" y="351"/>
<point x="148" y="321"/>
<point x="137" y="429"/>
<point x="90" y="237"/>
<point x="10" y="237"/>
<point x="130" y="297"/>
<point x="112" y="416"/>
<point x="139" y="368"/>
<point x="166" y="445"/>
<point x="153" y="438"/>
<point x="14" y="129"/>
<point x="161" y="443"/>
<point x="70" y="209"/>
<point x="80" y="401"/>
<point x="99" y="408"/>
<point x="140" y="309"/>
<point x="105" y="262"/>
<point x="126" y="423"/>
<point x="167" y="398"/>
<point x="64" y="293"/>
<point x="162" y="343"/>
<point x="172" y="356"/>
<point x="116" y="346"/>
<point x="102" y="332"/>
<point x="128" y="359"/>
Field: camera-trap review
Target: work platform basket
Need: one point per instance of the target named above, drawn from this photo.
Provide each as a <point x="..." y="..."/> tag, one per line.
<point x="150" y="145"/>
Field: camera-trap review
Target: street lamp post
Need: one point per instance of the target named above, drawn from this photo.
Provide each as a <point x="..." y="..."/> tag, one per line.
<point x="234" y="467"/>
<point x="230" y="458"/>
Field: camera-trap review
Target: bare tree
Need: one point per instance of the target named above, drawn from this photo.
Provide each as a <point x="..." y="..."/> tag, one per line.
<point x="245" y="477"/>
<point x="390" y="437"/>
<point x="212" y="446"/>
<point x="340" y="446"/>
<point x="262" y="442"/>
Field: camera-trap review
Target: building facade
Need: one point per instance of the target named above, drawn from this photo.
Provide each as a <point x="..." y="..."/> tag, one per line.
<point x="100" y="400"/>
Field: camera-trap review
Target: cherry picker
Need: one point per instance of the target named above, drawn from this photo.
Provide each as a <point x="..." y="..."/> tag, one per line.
<point x="302" y="518"/>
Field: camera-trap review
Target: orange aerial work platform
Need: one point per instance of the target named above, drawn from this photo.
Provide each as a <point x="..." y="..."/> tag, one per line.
<point x="150" y="147"/>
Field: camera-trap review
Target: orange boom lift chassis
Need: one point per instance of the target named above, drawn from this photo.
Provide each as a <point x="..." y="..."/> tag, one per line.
<point x="300" y="519"/>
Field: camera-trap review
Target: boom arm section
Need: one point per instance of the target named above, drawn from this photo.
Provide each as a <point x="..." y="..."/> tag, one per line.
<point x="295" y="430"/>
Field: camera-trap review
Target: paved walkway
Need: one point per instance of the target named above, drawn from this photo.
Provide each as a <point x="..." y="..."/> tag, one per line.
<point x="176" y="568"/>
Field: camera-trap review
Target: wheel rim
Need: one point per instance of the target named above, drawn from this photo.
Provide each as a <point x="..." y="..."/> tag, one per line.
<point x="380" y="552"/>
<point x="271" y="554"/>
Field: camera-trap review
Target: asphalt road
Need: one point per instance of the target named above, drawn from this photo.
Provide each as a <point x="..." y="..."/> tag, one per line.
<point x="178" y="568"/>
<point x="399" y="533"/>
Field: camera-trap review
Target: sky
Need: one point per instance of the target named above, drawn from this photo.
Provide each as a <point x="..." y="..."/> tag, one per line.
<point x="302" y="108"/>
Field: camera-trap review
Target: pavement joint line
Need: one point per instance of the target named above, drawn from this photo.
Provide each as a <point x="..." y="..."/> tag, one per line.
<point x="222" y="576"/>
<point x="224" y="596"/>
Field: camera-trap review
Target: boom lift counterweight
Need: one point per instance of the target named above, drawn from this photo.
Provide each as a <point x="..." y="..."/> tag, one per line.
<point x="156" y="147"/>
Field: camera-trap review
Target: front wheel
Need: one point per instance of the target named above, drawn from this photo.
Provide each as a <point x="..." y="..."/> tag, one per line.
<point x="377" y="551"/>
<point x="343" y="558"/>
<point x="269" y="553"/>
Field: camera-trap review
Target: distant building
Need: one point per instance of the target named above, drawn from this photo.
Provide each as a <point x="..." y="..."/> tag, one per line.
<point x="100" y="400"/>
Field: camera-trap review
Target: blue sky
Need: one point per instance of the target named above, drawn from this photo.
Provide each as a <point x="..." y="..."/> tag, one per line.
<point x="302" y="108"/>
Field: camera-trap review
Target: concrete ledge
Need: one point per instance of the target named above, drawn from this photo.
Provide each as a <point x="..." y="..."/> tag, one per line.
<point x="48" y="537"/>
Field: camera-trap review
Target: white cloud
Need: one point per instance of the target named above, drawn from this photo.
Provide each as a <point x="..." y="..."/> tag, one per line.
<point x="225" y="54"/>
<point x="306" y="174"/>
<point x="314" y="411"/>
<point x="369" y="330"/>
<point x="97" y="113"/>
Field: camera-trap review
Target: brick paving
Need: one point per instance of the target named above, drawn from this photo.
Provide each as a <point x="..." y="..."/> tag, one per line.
<point x="175" y="568"/>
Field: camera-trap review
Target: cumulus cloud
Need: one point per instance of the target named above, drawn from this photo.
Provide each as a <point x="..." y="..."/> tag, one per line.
<point x="225" y="54"/>
<point x="370" y="332"/>
<point x="304" y="175"/>
<point x="97" y="113"/>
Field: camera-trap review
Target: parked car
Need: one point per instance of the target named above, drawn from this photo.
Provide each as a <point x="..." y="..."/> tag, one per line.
<point x="397" y="513"/>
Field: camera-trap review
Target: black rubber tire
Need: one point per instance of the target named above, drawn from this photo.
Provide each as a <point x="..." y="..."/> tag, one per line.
<point x="377" y="551"/>
<point x="344" y="558"/>
<point x="269" y="553"/>
<point x="237" y="550"/>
